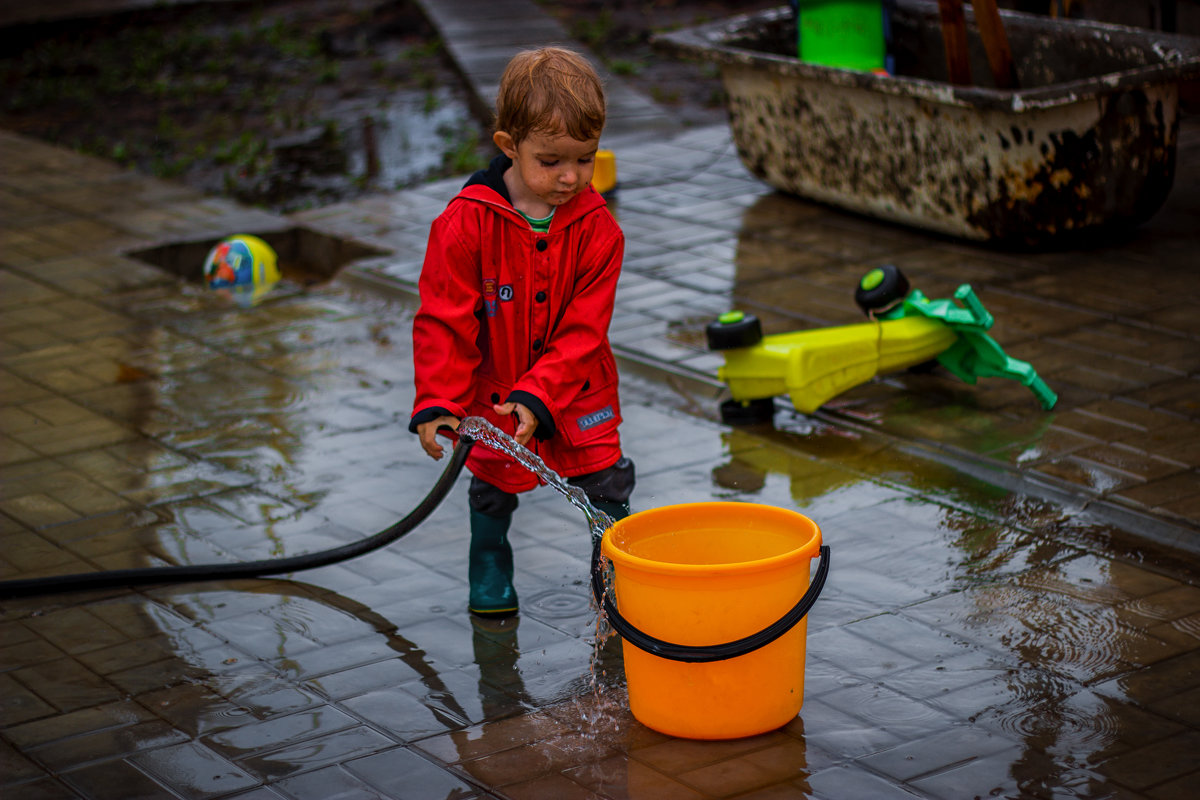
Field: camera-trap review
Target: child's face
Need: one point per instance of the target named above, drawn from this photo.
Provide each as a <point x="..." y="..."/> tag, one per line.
<point x="551" y="167"/>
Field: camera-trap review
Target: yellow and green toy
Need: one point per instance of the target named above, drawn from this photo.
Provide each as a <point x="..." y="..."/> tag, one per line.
<point x="906" y="329"/>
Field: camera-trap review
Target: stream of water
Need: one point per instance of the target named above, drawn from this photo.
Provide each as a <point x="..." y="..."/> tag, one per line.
<point x="599" y="715"/>
<point x="492" y="437"/>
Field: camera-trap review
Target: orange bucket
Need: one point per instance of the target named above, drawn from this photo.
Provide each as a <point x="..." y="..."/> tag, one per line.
<point x="705" y="574"/>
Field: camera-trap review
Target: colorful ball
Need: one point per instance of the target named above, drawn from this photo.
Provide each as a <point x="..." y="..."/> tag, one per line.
<point x="241" y="260"/>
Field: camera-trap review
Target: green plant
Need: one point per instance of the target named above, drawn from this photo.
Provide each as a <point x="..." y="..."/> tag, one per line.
<point x="462" y="154"/>
<point x="240" y="151"/>
<point x="624" y="67"/>
<point x="329" y="72"/>
<point x="167" y="128"/>
<point x="595" y="31"/>
<point x="331" y="132"/>
<point x="166" y="167"/>
<point x="663" y="96"/>
<point x="425" y="50"/>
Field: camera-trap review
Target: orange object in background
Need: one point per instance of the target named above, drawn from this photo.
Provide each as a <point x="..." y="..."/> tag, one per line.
<point x="707" y="573"/>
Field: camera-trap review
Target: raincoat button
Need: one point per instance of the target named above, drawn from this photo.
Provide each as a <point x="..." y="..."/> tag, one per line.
<point x="540" y="297"/>
<point x="542" y="245"/>
<point x="495" y="398"/>
<point x="537" y="344"/>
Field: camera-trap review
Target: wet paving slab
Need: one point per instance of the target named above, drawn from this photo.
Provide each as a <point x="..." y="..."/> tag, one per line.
<point x="1109" y="327"/>
<point x="992" y="624"/>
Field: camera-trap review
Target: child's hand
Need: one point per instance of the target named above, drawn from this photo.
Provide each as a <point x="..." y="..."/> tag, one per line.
<point x="428" y="433"/>
<point x="526" y="422"/>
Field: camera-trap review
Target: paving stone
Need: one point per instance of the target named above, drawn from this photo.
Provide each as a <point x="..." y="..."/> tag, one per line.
<point x="986" y="627"/>
<point x="326" y="749"/>
<point x="107" y="745"/>
<point x="193" y="770"/>
<point x="20" y="704"/>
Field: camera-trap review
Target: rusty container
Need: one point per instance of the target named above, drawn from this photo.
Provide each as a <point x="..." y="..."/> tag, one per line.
<point x="1088" y="140"/>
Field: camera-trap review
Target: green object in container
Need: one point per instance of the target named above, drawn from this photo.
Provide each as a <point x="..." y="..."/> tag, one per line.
<point x="842" y="33"/>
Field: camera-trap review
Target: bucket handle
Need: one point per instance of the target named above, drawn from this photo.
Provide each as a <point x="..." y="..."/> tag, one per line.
<point x="705" y="653"/>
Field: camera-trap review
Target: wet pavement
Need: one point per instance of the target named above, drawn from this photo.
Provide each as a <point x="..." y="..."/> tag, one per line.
<point x="1012" y="609"/>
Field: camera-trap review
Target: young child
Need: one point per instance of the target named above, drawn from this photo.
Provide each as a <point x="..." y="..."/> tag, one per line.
<point x="517" y="292"/>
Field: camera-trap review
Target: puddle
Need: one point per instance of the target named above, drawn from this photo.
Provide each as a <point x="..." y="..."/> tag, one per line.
<point x="964" y="635"/>
<point x="306" y="257"/>
<point x="417" y="135"/>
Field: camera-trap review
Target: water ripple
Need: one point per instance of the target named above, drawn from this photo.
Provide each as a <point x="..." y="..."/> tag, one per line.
<point x="1083" y="641"/>
<point x="1189" y="625"/>
<point x="1074" y="728"/>
<point x="559" y="604"/>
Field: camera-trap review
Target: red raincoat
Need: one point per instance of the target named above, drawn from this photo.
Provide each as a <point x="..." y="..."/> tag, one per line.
<point x="510" y="314"/>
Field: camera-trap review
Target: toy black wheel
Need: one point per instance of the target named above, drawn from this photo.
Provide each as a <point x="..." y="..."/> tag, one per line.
<point x="732" y="330"/>
<point x="925" y="367"/>
<point x="881" y="288"/>
<point x="748" y="412"/>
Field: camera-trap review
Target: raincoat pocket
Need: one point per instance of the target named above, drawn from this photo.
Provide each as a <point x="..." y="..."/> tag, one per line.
<point x="593" y="417"/>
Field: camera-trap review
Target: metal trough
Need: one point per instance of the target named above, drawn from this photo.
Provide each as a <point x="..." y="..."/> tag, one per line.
<point x="1089" y="140"/>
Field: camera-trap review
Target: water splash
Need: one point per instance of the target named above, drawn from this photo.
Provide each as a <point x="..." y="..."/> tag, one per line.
<point x="489" y="435"/>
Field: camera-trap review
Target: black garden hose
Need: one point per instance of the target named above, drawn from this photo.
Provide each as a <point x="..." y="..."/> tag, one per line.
<point x="91" y="581"/>
<point x="85" y="581"/>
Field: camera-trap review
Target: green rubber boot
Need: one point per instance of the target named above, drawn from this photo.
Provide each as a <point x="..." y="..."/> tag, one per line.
<point x="491" y="567"/>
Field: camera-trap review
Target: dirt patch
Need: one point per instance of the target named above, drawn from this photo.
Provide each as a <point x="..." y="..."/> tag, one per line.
<point x="282" y="105"/>
<point x="619" y="32"/>
<point x="298" y="103"/>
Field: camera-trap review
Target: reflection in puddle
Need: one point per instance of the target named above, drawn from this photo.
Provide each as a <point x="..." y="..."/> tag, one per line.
<point x="959" y="621"/>
<point x="243" y="268"/>
<point x="247" y="296"/>
<point x="1006" y="577"/>
<point x="1072" y="728"/>
<point x="415" y="136"/>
